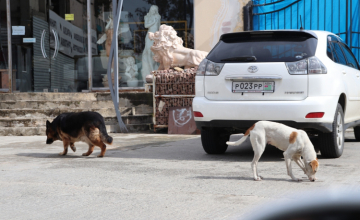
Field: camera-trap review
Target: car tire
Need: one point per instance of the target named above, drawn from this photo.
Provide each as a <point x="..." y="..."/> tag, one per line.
<point x="214" y="141"/>
<point x="315" y="141"/>
<point x="357" y="133"/>
<point x="331" y="144"/>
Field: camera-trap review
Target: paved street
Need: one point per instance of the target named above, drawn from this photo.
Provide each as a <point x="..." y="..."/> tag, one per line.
<point x="152" y="176"/>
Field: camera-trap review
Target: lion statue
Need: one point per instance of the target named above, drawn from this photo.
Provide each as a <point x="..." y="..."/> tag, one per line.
<point x="169" y="51"/>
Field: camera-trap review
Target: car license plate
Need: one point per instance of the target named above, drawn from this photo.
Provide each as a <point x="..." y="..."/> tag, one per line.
<point x="253" y="86"/>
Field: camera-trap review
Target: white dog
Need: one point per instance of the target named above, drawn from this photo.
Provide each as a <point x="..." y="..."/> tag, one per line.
<point x="295" y="144"/>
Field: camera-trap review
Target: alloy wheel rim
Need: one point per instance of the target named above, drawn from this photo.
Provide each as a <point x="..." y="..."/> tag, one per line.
<point x="339" y="131"/>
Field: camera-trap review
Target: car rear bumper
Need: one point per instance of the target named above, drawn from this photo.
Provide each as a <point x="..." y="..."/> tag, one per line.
<point x="243" y="125"/>
<point x="243" y="114"/>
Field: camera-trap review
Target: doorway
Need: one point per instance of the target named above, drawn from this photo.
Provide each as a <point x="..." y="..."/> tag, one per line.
<point x="51" y="45"/>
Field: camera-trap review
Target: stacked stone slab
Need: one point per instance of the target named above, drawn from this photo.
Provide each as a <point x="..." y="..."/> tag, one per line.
<point x="177" y="83"/>
<point x="24" y="114"/>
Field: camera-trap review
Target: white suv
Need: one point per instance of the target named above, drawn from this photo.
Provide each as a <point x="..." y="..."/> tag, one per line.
<point x="304" y="79"/>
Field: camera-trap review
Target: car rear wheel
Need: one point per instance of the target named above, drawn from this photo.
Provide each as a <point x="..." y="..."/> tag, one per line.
<point x="332" y="144"/>
<point x="214" y="140"/>
<point x="357" y="133"/>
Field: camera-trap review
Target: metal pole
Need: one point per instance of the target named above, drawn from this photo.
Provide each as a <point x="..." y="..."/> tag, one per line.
<point x="90" y="70"/>
<point x="350" y="43"/>
<point x="347" y="18"/>
<point x="8" y="15"/>
<point x="116" y="51"/>
<point x="113" y="55"/>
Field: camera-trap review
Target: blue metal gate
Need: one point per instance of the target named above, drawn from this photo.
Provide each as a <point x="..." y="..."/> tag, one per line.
<point x="338" y="16"/>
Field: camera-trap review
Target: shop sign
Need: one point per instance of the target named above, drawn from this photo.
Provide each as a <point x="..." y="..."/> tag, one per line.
<point x="29" y="40"/>
<point x="18" y="30"/>
<point x="72" y="39"/>
<point x="69" y="17"/>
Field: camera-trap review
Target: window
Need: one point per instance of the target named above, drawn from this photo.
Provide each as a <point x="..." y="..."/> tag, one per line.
<point x="329" y="51"/>
<point x="350" y="57"/>
<point x="339" y="53"/>
<point x="138" y="18"/>
<point x="266" y="47"/>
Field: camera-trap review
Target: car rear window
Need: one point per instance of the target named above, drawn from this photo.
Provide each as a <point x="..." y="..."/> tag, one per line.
<point x="263" y="47"/>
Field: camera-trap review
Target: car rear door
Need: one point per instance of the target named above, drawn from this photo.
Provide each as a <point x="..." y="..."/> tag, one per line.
<point x="351" y="72"/>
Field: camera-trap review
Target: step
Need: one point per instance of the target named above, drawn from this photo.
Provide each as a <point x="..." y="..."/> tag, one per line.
<point x="105" y="112"/>
<point x="44" y="96"/>
<point x="41" y="122"/>
<point x="63" y="104"/>
<point x="132" y="128"/>
<point x="135" y="97"/>
<point x="30" y="131"/>
<point x="130" y="119"/>
<point x="23" y="131"/>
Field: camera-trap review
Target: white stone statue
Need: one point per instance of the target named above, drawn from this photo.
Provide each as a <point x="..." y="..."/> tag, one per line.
<point x="125" y="37"/>
<point x="170" y="52"/>
<point x="124" y="28"/>
<point x="124" y="32"/>
<point x="152" y="22"/>
<point x="107" y="36"/>
<point x="131" y="72"/>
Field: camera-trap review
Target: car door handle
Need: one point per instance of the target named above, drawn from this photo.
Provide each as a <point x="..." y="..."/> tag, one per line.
<point x="357" y="75"/>
<point x="344" y="72"/>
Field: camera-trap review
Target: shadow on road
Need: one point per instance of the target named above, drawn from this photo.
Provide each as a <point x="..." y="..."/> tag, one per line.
<point x="188" y="149"/>
<point x="48" y="155"/>
<point x="242" y="178"/>
<point x="191" y="149"/>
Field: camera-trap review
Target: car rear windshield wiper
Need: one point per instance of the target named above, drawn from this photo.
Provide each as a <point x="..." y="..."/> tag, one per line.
<point x="243" y="59"/>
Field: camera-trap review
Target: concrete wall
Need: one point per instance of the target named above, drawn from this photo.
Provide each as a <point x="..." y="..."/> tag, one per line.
<point x="214" y="18"/>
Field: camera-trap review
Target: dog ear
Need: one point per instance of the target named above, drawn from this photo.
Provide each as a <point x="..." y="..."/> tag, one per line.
<point x="47" y="123"/>
<point x="314" y="164"/>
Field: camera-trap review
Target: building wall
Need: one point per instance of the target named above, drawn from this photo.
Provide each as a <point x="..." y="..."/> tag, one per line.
<point x="214" y="18"/>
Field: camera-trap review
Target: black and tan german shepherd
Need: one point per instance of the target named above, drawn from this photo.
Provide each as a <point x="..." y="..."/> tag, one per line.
<point x="71" y="127"/>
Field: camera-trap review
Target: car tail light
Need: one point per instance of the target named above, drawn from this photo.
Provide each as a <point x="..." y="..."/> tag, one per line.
<point x="312" y="65"/>
<point x="213" y="69"/>
<point x="298" y="67"/>
<point x="202" y="68"/>
<point x="315" y="115"/>
<point x="316" y="66"/>
<point x="208" y="68"/>
<point x="198" y="114"/>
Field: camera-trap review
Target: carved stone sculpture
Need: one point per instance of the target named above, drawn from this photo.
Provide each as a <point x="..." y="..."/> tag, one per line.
<point x="152" y="22"/>
<point x="132" y="72"/>
<point x="170" y="52"/>
<point x="107" y="36"/>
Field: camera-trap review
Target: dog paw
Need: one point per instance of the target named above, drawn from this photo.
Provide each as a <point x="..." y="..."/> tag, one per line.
<point x="73" y="148"/>
<point x="85" y="154"/>
<point x="258" y="178"/>
<point x="297" y="180"/>
<point x="62" y="154"/>
<point x="100" y="156"/>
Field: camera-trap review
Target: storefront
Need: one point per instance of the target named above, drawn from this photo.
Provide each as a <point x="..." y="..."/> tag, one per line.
<point x="50" y="42"/>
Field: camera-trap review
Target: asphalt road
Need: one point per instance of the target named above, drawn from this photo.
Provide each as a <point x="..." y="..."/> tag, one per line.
<point x="153" y="176"/>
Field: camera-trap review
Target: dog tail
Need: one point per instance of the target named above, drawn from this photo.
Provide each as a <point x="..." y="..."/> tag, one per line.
<point x="246" y="135"/>
<point x="104" y="135"/>
<point x="238" y="142"/>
